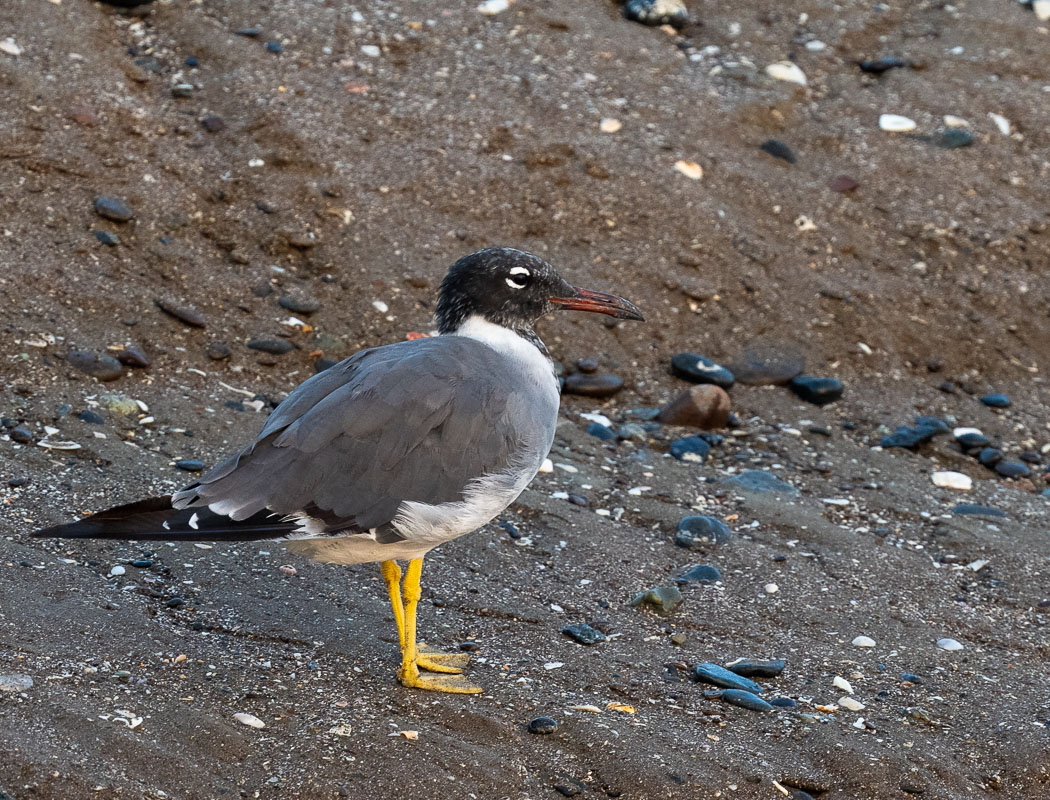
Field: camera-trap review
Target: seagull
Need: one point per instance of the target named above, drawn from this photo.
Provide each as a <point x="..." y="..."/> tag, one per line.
<point x="394" y="450"/>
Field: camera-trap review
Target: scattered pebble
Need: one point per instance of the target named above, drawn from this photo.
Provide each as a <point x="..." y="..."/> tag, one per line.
<point x="113" y="208"/>
<point x="189" y="465"/>
<point x="107" y="238"/>
<point x="493" y="7"/>
<point x="996" y="401"/>
<point x="543" y="725"/>
<point x="925" y="429"/>
<point x="657" y="12"/>
<point x="274" y="46"/>
<point x="1002" y="123"/>
<point x="218" y="351"/>
<point x="181" y="311"/>
<point x="1013" y="469"/>
<point x="98" y="365"/>
<point x="878" y="66"/>
<point x="213" y="123"/>
<point x="249" y="719"/>
<point x="299" y="303"/>
<point x="701" y="369"/>
<point x="842" y="683"/>
<point x="9" y="46"/>
<point x="895" y="123"/>
<point x="662" y="599"/>
<point x="787" y="71"/>
<point x="720" y="676"/>
<point x="771" y="588"/>
<point x="609" y="125"/>
<point x="764" y="364"/>
<point x="819" y="391"/>
<point x="950" y="645"/>
<point x="585" y="385"/>
<point x="954" y="138"/>
<point x="599" y="431"/>
<point x="371" y="50"/>
<point x="971" y="438"/>
<point x="705" y="406"/>
<point x="690" y="169"/>
<point x="850" y="704"/>
<point x="778" y="149"/>
<point x="947" y="479"/>
<point x="690" y="448"/>
<point x="783" y="702"/>
<point x="117" y="571"/>
<point x="584" y="634"/>
<point x="759" y="482"/>
<point x="990" y="456"/>
<point x="744" y="699"/>
<point x="133" y="356"/>
<point x="751" y="668"/>
<point x="702" y="573"/>
<point x="274" y="347"/>
<point x="699" y="532"/>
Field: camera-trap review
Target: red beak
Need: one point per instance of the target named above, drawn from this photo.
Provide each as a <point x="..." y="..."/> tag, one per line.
<point x="599" y="303"/>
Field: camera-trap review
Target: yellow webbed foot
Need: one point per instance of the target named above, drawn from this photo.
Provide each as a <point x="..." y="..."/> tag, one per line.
<point x="438" y="661"/>
<point x="453" y="684"/>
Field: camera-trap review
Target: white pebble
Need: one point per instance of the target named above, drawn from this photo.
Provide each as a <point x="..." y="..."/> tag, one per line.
<point x="863" y="641"/>
<point x="1002" y="123"/>
<point x="843" y="684"/>
<point x="249" y="719"/>
<point x="559" y="495"/>
<point x="567" y="468"/>
<point x="601" y="419"/>
<point x="8" y="46"/>
<point x="547" y="465"/>
<point x="256" y="162"/>
<point x="370" y="50"/>
<point x="947" y="479"/>
<point x="637" y="490"/>
<point x="955" y="122"/>
<point x="690" y="169"/>
<point x="816" y="46"/>
<point x="851" y="704"/>
<point x="949" y="644"/>
<point x="771" y="588"/>
<point x="117" y="570"/>
<point x="787" y="71"/>
<point x="896" y="123"/>
<point x="610" y="125"/>
<point x="553" y="665"/>
<point x="957" y="432"/>
<point x="978" y="565"/>
<point x="804" y="224"/>
<point x="864" y="348"/>
<point x="836" y="501"/>
<point x="380" y="306"/>
<point x="493" y="7"/>
<point x="1042" y="10"/>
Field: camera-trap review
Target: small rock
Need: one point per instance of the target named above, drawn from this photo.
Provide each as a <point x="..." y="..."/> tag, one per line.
<point x="702" y="573"/>
<point x="182" y="90"/>
<point x="843" y="184"/>
<point x="599" y="431"/>
<point x="787" y="71"/>
<point x="925" y="429"/>
<point x="181" y="311"/>
<point x="543" y="725"/>
<point x="569" y="787"/>
<point x="911" y="677"/>
<point x="778" y="149"/>
<point x="250" y="720"/>
<point x="119" y="404"/>
<point x="587" y="366"/>
<point x="751" y="668"/>
<point x="189" y="465"/>
<point x="863" y="641"/>
<point x="133" y="356"/>
<point x="974" y="510"/>
<point x="299" y="304"/>
<point x="880" y="65"/>
<point x="107" y="238"/>
<point x="91" y="417"/>
<point x="213" y="123"/>
<point x="950" y="645"/>
<point x="274" y="46"/>
<point x="585" y="385"/>
<point x="113" y="208"/>
<point x="744" y="699"/>
<point x="142" y="563"/>
<point x="218" y="351"/>
<point x="954" y="138"/>
<point x="662" y="599"/>
<point x="764" y="364"/>
<point x="720" y="676"/>
<point x="701" y="369"/>
<point x="996" y="401"/>
<point x="819" y="391"/>
<point x="705" y="406"/>
<point x="250" y="33"/>
<point x="698" y="532"/>
<point x="990" y="456"/>
<point x="759" y="482"/>
<point x="15" y="682"/>
<point x="633" y="432"/>
<point x="584" y="634"/>
<point x="895" y="123"/>
<point x="947" y="479"/>
<point x="690" y="448"/>
<point x="1013" y="469"/>
<point x="117" y="571"/>
<point x="21" y="435"/>
<point x="783" y="702"/>
<point x="972" y="440"/>
<point x="98" y="365"/>
<point x="14" y="483"/>
<point x="850" y="704"/>
<point x="274" y="347"/>
<point x="657" y="12"/>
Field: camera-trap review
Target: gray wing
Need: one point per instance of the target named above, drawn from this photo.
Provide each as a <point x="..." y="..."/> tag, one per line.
<point x="412" y="421"/>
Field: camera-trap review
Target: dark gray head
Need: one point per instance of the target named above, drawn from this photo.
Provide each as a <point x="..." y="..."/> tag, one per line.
<point x="513" y="289"/>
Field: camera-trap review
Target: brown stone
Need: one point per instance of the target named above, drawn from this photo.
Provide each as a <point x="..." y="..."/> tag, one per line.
<point x="704" y="406"/>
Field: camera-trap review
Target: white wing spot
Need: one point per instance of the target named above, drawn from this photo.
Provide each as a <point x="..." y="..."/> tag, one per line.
<point x="193" y="521"/>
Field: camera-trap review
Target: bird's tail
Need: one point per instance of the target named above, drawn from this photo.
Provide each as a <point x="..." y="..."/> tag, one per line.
<point x="155" y="519"/>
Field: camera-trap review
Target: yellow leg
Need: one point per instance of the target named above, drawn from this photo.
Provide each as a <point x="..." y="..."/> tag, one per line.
<point x="392" y="575"/>
<point x="409" y="673"/>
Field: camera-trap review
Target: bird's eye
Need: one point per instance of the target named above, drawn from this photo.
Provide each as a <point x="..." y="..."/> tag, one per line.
<point x="519" y="278"/>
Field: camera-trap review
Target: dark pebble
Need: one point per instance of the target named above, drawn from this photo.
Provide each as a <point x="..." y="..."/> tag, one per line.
<point x="299" y="304"/>
<point x="699" y="531"/>
<point x="181" y="311"/>
<point x="97" y="365"/>
<point x="778" y="149"/>
<point x="748" y="668"/>
<point x="877" y="66"/>
<point x="633" y="432"/>
<point x="511" y="529"/>
<point x="176" y="602"/>
<point x="218" y="351"/>
<point x="649" y="12"/>
<point x="182" y="90"/>
<point x="911" y="677"/>
<point x="91" y="417"/>
<point x="702" y="573"/>
<point x="584" y="634"/>
<point x="192" y="61"/>
<point x="722" y="677"/>
<point x="783" y="702"/>
<point x="251" y="33"/>
<point x="14" y="483"/>
<point x="587" y="365"/>
<point x="843" y="184"/>
<point x="592" y="385"/>
<point x="21" y="436"/>
<point x="973" y="441"/>
<point x="189" y="465"/>
<point x="819" y="391"/>
<point x="569" y="787"/>
<point x="764" y="364"/>
<point x="213" y="123"/>
<point x="759" y="482"/>
<point x="820" y="430"/>
<point x="469" y="647"/>
<point x="701" y="369"/>
<point x="996" y="401"/>
<point x="543" y="725"/>
<point x="954" y="138"/>
<point x="113" y="208"/>
<point x="107" y="238"/>
<point x="974" y="510"/>
<point x="274" y="46"/>
<point x="600" y="431"/>
<point x="690" y="448"/>
<point x="142" y="563"/>
<point x="133" y="356"/>
<point x="925" y="429"/>
<point x="275" y="347"/>
<point x="1030" y="458"/>
<point x="744" y="699"/>
<point x="576" y="500"/>
<point x="1013" y="469"/>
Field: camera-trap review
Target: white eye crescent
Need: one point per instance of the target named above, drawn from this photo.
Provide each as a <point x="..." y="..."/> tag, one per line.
<point x="519" y="277"/>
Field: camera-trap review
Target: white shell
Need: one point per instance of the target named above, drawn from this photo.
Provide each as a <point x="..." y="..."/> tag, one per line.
<point x="863" y="641"/>
<point x="843" y="684"/>
<point x="851" y="704"/>
<point x="949" y="644"/>
<point x="690" y="169"/>
<point x="952" y="480"/>
<point x="787" y="71"/>
<point x="1042" y="10"/>
<point x="955" y="122"/>
<point x="896" y="123"/>
<point x="1002" y="123"/>
<point x="249" y="719"/>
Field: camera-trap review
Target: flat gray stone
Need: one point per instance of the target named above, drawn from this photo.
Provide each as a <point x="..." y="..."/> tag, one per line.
<point x="760" y="482"/>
